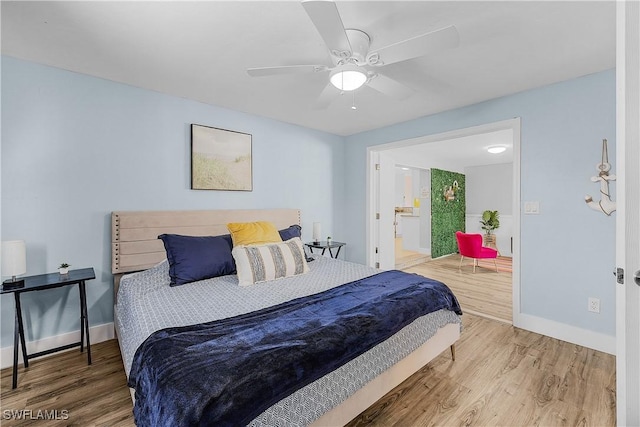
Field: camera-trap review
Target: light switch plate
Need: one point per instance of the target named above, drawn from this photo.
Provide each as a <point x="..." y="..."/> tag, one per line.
<point x="532" y="208"/>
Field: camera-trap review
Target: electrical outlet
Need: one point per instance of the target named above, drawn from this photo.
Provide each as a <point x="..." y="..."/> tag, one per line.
<point x="594" y="305"/>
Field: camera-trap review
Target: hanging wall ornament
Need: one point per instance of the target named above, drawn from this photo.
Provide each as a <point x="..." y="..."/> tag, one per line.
<point x="605" y="205"/>
<point x="450" y="193"/>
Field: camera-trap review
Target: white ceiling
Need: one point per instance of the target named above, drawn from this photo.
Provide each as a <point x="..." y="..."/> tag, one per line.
<point x="456" y="154"/>
<point x="201" y="50"/>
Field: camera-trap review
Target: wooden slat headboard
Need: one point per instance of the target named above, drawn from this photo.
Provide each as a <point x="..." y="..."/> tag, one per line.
<point x="134" y="235"/>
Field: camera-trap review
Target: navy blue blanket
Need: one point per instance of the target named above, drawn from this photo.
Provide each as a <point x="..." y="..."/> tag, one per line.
<point x="227" y="372"/>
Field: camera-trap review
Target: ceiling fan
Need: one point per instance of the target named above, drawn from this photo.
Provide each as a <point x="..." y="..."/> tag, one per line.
<point x="354" y="63"/>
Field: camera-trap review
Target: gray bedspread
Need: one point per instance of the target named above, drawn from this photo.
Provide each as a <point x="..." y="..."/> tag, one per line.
<point x="146" y="303"/>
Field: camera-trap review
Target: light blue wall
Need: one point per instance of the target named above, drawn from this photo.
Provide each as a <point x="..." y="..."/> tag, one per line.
<point x="75" y="148"/>
<point x="568" y="250"/>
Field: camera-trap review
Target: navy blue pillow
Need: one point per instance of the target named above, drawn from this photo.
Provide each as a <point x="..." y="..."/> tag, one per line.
<point x="193" y="258"/>
<point x="291" y="232"/>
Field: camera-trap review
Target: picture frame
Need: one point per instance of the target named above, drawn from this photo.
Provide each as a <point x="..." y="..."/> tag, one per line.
<point x="220" y="159"/>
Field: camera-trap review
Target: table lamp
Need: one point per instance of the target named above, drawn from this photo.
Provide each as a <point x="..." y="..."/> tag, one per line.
<point x="14" y="263"/>
<point x="317" y="232"/>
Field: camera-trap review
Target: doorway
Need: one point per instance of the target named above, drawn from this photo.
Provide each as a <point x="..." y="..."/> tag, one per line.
<point x="382" y="164"/>
<point x="412" y="219"/>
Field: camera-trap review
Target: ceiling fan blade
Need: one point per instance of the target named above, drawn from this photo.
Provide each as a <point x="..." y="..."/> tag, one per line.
<point x="390" y="87"/>
<point x="444" y="38"/>
<point x="324" y="15"/>
<point x="287" y="69"/>
<point x="327" y="96"/>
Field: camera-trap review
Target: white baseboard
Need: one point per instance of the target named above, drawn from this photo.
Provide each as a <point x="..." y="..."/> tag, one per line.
<point x="561" y="331"/>
<point x="564" y="332"/>
<point x="97" y="334"/>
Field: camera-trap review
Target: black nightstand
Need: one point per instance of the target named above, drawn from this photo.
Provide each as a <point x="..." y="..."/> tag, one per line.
<point x="324" y="246"/>
<point x="39" y="283"/>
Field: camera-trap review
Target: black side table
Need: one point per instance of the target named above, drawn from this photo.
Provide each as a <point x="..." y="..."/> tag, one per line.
<point x="39" y="283"/>
<point x="324" y="245"/>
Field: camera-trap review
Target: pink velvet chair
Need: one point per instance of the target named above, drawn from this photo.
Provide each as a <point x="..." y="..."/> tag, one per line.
<point x="470" y="246"/>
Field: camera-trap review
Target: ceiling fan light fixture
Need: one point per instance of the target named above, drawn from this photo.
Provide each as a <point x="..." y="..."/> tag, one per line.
<point x="348" y="77"/>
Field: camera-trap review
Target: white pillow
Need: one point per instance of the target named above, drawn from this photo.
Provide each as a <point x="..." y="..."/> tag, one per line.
<point x="269" y="261"/>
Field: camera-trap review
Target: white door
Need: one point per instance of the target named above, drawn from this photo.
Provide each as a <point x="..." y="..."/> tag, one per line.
<point x="382" y="216"/>
<point x="628" y="214"/>
<point x="386" y="240"/>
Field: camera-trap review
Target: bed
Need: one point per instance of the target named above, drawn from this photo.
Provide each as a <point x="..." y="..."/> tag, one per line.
<point x="146" y="304"/>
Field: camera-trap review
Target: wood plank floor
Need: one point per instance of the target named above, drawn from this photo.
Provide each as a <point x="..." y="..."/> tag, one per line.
<point x="95" y="395"/>
<point x="502" y="376"/>
<point x="405" y="258"/>
<point x="484" y="292"/>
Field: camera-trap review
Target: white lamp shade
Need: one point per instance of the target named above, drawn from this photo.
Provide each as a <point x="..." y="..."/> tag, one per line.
<point x="14" y="257"/>
<point x="348" y="77"/>
<point x="317" y="231"/>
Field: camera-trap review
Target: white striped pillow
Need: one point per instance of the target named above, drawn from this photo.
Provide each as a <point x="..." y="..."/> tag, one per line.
<point x="270" y="261"/>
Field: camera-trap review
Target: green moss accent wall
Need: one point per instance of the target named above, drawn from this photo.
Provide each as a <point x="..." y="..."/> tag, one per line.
<point x="447" y="217"/>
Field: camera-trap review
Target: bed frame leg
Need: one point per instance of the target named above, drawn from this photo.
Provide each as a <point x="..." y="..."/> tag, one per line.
<point x="453" y="352"/>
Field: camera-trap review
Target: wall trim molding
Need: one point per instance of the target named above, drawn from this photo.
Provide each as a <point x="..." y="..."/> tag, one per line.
<point x="98" y="333"/>
<point x="564" y="332"/>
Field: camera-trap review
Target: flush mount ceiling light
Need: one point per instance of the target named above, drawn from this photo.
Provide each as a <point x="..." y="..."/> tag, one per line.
<point x="348" y="77"/>
<point x="496" y="149"/>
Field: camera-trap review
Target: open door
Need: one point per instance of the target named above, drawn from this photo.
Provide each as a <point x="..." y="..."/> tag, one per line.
<point x="628" y="214"/>
<point x="382" y="253"/>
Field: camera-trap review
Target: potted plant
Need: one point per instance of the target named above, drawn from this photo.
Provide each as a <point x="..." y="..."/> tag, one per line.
<point x="64" y="268"/>
<point x="490" y="221"/>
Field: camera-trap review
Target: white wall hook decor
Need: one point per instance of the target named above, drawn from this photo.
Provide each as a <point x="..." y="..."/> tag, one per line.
<point x="605" y="205"/>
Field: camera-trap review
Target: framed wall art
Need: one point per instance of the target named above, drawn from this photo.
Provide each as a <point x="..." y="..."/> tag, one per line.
<point x="220" y="159"/>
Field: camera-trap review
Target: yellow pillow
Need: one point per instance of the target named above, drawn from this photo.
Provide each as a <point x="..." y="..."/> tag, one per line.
<point x="253" y="233"/>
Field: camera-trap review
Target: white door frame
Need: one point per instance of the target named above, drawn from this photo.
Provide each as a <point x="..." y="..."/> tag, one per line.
<point x="373" y="226"/>
<point x="628" y="212"/>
